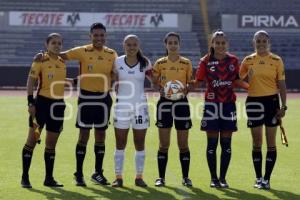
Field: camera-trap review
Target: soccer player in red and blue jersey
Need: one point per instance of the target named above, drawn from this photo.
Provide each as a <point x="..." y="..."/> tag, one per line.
<point x="220" y="71"/>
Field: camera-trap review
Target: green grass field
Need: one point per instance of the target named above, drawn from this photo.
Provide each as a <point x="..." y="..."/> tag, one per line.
<point x="13" y="129"/>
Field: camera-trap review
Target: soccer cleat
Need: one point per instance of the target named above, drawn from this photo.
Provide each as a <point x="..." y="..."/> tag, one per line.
<point x="98" y="178"/>
<point x="187" y="182"/>
<point x="160" y="182"/>
<point x="223" y="183"/>
<point x="117" y="183"/>
<point x="215" y="183"/>
<point x="25" y="183"/>
<point x="50" y="182"/>
<point x="257" y="183"/>
<point x="140" y="182"/>
<point x="79" y="180"/>
<point x="265" y="185"/>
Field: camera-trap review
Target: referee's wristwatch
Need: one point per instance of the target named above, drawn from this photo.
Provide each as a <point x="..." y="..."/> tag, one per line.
<point x="284" y="107"/>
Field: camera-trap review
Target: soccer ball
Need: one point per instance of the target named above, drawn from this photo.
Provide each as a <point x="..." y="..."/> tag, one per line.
<point x="174" y="90"/>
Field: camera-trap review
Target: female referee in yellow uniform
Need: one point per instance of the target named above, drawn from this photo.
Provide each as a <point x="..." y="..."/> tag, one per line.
<point x="173" y="67"/>
<point x="47" y="108"/>
<point x="266" y="77"/>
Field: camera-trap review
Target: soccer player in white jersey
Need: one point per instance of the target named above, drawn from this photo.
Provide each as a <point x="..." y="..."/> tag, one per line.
<point x="131" y="108"/>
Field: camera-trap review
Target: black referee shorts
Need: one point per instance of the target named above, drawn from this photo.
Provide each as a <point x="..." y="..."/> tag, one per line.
<point x="49" y="112"/>
<point x="177" y="111"/>
<point x="93" y="110"/>
<point x="262" y="110"/>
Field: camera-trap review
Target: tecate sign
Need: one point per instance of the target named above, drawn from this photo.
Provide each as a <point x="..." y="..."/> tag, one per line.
<point x="269" y="21"/>
<point x="80" y="19"/>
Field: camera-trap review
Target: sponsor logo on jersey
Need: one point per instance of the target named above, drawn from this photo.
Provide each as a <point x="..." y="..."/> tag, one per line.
<point x="219" y="83"/>
<point x="212" y="63"/>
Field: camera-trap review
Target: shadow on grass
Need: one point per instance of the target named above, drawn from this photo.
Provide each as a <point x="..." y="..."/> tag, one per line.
<point x="105" y="192"/>
<point x="125" y="193"/>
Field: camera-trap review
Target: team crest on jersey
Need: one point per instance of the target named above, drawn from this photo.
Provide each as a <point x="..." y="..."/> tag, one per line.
<point x="90" y="67"/>
<point x="231" y="67"/>
<point x="50" y="76"/>
<point x="261" y="62"/>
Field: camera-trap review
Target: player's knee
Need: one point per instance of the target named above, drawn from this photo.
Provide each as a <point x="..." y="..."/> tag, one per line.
<point x="139" y="146"/>
<point x="163" y="149"/>
<point x="212" y="144"/>
<point x="225" y="143"/>
<point x="184" y="149"/>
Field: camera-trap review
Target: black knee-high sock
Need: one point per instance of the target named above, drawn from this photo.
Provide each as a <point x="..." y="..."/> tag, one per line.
<point x="26" y="159"/>
<point x="80" y="154"/>
<point x="185" y="163"/>
<point x="162" y="160"/>
<point x="99" y="149"/>
<point x="257" y="161"/>
<point x="211" y="156"/>
<point x="270" y="162"/>
<point x="225" y="156"/>
<point x="49" y="157"/>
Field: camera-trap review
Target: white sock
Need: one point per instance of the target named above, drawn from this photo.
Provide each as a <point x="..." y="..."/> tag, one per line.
<point x="139" y="162"/>
<point x="119" y="162"/>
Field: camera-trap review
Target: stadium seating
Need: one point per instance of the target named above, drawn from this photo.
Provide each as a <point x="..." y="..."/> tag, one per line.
<point x="25" y="42"/>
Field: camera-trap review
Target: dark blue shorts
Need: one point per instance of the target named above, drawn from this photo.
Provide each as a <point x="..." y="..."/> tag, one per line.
<point x="219" y="117"/>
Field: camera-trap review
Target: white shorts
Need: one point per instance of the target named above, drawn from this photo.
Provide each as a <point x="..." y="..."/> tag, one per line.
<point x="136" y="116"/>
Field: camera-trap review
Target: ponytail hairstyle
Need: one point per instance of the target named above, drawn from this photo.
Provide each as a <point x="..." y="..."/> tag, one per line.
<point x="211" y="51"/>
<point x="169" y="35"/>
<point x="140" y="56"/>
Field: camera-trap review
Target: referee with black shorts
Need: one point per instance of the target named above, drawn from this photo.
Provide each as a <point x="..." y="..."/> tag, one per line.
<point x="47" y="109"/>
<point x="94" y="102"/>
<point x="266" y="77"/>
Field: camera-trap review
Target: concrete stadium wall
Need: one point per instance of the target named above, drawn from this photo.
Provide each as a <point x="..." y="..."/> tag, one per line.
<point x="17" y="77"/>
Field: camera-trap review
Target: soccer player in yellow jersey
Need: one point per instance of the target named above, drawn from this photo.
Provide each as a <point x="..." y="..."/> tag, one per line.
<point x="47" y="108"/>
<point x="266" y="77"/>
<point x="173" y="67"/>
<point x="94" y="102"/>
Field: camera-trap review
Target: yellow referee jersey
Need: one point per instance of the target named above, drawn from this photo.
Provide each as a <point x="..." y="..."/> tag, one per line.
<point x="263" y="73"/>
<point x="165" y="70"/>
<point x="51" y="74"/>
<point x="95" y="67"/>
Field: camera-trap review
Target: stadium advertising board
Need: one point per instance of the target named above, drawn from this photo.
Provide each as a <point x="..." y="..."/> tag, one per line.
<point x="80" y="19"/>
<point x="249" y="22"/>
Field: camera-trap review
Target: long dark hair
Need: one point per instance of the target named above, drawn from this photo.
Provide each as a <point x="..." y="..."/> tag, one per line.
<point x="211" y="51"/>
<point x="169" y="35"/>
<point x="140" y="56"/>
